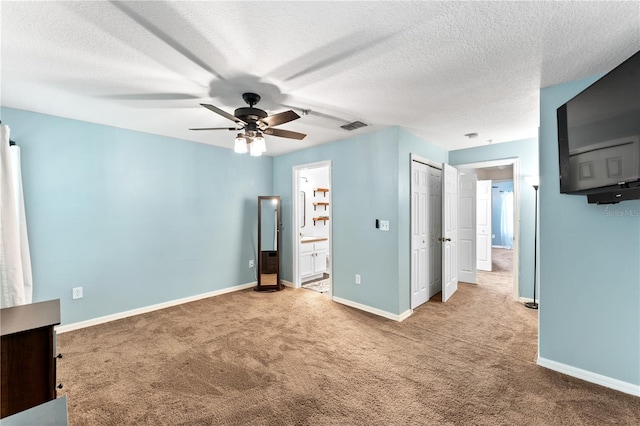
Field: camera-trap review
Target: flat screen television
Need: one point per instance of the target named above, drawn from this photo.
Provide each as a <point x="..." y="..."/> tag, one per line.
<point x="599" y="137"/>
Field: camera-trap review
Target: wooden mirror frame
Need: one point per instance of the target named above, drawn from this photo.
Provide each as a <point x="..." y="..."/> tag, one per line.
<point x="266" y="260"/>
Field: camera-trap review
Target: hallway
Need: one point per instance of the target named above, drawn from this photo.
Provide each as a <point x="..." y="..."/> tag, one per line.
<point x="500" y="278"/>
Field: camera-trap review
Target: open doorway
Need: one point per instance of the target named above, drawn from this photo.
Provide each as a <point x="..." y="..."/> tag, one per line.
<point x="312" y="224"/>
<point x="495" y="271"/>
<point x="497" y="216"/>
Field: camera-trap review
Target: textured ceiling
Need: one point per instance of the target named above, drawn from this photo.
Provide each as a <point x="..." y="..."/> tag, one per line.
<point x="438" y="69"/>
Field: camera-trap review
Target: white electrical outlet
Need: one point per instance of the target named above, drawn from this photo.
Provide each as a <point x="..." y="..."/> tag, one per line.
<point x="384" y="225"/>
<point x="357" y="279"/>
<point x="77" y="293"/>
<point x="252" y="263"/>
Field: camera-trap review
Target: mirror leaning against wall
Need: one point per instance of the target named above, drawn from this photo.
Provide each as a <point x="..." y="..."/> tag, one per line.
<point x="268" y="276"/>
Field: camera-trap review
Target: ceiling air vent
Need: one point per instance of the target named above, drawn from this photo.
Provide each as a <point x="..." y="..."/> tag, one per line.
<point x="353" y="126"/>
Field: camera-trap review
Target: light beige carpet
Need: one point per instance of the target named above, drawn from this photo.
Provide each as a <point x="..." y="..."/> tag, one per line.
<point x="500" y="278"/>
<point x="294" y="357"/>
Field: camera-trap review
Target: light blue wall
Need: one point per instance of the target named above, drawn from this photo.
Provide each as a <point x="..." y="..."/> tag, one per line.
<point x="527" y="151"/>
<point x="364" y="186"/>
<point x="136" y="219"/>
<point x="589" y="267"/>
<point x="369" y="181"/>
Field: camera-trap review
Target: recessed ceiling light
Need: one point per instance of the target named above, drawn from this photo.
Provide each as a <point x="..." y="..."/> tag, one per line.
<point x="471" y="135"/>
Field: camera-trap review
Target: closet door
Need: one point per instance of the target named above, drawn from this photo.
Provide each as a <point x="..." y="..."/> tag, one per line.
<point x="419" y="234"/>
<point x="449" y="238"/>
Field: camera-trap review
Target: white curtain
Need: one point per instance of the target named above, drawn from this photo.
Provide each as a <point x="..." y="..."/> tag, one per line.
<point x="506" y="219"/>
<point x="16" y="285"/>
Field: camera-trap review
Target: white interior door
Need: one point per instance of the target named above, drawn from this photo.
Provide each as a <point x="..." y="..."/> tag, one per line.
<point x="449" y="237"/>
<point x="419" y="233"/>
<point x="483" y="225"/>
<point x="467" y="228"/>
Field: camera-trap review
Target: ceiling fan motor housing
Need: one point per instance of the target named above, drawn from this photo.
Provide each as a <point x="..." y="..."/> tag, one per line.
<point x="249" y="114"/>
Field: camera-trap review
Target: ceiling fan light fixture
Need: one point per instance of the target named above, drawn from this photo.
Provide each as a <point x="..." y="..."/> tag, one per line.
<point x="254" y="150"/>
<point x="240" y="145"/>
<point x="258" y="146"/>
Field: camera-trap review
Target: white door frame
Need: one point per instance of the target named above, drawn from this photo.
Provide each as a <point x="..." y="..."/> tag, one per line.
<point x="515" y="163"/>
<point x="295" y="201"/>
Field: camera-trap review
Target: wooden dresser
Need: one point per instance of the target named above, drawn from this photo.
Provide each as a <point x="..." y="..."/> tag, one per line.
<point x="28" y="346"/>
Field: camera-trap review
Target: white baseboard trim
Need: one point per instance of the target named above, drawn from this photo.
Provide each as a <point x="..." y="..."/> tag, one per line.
<point x="406" y="314"/>
<point x="525" y="299"/>
<point x="108" y="318"/>
<point x="371" y="310"/>
<point x="589" y="376"/>
<point x="288" y="283"/>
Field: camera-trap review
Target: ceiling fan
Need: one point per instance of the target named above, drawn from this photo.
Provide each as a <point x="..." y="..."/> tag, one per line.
<point x="255" y="122"/>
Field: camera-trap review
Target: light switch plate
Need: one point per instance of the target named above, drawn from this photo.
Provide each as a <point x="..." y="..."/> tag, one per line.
<point x="384" y="225"/>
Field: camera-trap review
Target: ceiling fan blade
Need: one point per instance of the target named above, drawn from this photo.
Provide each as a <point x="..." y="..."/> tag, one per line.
<point x="171" y="15"/>
<point x="216" y="128"/>
<point x="281" y="118"/>
<point x="284" y="133"/>
<point x="223" y="113"/>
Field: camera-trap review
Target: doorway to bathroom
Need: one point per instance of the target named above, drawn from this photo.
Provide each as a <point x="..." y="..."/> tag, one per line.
<point x="312" y="218"/>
